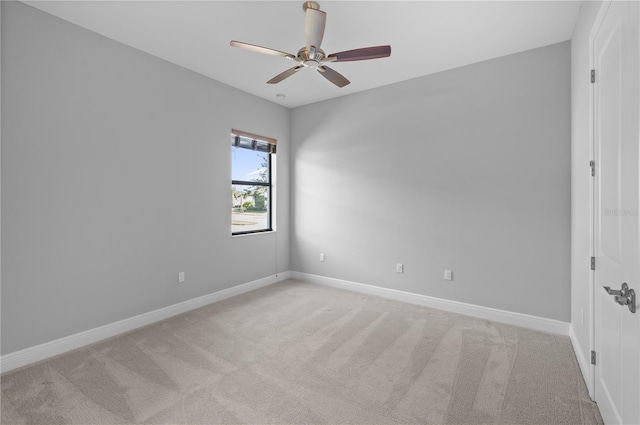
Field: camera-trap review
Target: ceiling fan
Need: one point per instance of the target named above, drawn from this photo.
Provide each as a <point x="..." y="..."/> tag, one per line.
<point x="312" y="56"/>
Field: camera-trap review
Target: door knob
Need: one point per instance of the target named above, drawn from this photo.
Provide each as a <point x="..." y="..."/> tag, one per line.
<point x="624" y="296"/>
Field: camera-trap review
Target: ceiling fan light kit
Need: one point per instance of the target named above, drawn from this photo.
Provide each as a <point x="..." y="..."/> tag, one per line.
<point x="312" y="56"/>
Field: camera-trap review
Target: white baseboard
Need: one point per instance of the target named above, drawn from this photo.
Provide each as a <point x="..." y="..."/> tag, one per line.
<point x="53" y="348"/>
<point x="502" y="316"/>
<point x="585" y="366"/>
<point x="59" y="346"/>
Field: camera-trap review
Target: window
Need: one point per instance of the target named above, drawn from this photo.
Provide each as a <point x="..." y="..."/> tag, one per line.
<point x="251" y="180"/>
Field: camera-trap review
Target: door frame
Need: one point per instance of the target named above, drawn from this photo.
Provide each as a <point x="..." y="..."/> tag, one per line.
<point x="591" y="384"/>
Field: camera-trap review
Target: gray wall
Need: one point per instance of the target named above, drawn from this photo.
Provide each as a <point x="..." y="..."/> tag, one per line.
<point x="581" y="154"/>
<point x="468" y="170"/>
<point x="115" y="177"/>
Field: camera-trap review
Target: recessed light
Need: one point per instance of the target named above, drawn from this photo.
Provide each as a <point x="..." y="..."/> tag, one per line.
<point x="281" y="95"/>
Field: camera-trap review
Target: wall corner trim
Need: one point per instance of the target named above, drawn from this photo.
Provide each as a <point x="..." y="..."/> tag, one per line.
<point x="59" y="346"/>
<point x="502" y="316"/>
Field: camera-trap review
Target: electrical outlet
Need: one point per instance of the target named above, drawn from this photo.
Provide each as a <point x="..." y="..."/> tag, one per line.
<point x="399" y="268"/>
<point x="180" y="277"/>
<point x="322" y="258"/>
<point x="448" y="275"/>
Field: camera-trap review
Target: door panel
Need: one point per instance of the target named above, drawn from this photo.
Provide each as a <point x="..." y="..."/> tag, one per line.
<point x="608" y="99"/>
<point x="616" y="217"/>
<point x="609" y="93"/>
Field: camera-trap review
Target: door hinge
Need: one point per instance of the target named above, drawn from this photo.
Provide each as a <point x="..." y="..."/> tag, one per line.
<point x="592" y="165"/>
<point x="593" y="76"/>
<point x="593" y="263"/>
<point x="593" y="357"/>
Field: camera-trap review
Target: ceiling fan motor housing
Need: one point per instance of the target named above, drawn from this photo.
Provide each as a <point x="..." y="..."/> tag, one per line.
<point x="304" y="56"/>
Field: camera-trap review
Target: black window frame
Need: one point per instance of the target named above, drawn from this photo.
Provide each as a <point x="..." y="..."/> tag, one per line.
<point x="268" y="185"/>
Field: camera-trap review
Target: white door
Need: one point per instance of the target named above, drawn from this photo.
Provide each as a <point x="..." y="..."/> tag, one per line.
<point x="616" y="217"/>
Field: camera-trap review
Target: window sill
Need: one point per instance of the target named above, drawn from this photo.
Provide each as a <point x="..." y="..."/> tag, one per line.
<point x="266" y="232"/>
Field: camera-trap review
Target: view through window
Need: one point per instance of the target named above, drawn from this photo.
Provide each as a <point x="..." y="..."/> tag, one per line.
<point x="251" y="182"/>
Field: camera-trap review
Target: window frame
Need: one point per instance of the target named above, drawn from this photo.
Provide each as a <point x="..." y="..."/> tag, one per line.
<point x="268" y="184"/>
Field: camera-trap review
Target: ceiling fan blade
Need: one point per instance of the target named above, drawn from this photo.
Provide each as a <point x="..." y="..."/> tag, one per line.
<point x="360" y="54"/>
<point x="314" y="27"/>
<point x="260" y="49"/>
<point x="286" y="74"/>
<point x="333" y="76"/>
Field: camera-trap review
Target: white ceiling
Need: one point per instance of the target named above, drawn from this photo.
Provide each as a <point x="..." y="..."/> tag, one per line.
<point x="425" y="37"/>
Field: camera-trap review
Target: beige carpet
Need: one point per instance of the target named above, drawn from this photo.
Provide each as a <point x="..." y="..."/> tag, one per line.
<point x="300" y="353"/>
